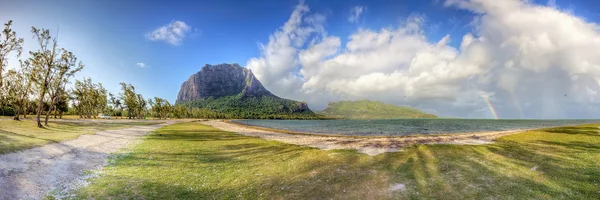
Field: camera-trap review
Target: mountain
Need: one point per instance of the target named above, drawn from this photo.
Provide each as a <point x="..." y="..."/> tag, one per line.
<point x="366" y="109"/>
<point x="234" y="91"/>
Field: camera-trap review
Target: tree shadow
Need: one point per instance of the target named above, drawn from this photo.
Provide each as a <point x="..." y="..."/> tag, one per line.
<point x="593" y="131"/>
<point x="192" y="136"/>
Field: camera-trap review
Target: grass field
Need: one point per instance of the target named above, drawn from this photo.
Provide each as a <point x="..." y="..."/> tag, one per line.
<point x="24" y="134"/>
<point x="191" y="161"/>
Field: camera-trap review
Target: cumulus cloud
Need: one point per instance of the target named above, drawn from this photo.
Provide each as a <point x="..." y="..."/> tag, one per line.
<point x="278" y="65"/>
<point x="172" y="33"/>
<point x="355" y="13"/>
<point x="141" y="65"/>
<point x="530" y="61"/>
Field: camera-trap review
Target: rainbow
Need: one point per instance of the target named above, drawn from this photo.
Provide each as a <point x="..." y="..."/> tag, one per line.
<point x="489" y="103"/>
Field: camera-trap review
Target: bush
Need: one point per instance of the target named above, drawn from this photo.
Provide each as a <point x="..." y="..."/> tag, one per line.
<point x="7" y="111"/>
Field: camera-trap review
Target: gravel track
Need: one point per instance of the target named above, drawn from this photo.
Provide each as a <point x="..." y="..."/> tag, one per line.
<point x="60" y="167"/>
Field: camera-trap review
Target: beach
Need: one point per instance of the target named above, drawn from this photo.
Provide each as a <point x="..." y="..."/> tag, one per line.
<point x="367" y="145"/>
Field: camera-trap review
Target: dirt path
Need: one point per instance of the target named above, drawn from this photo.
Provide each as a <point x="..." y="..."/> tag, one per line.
<point x="60" y="167"/>
<point x="368" y="145"/>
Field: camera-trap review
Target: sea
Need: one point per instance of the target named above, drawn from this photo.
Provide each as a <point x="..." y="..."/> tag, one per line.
<point x="405" y="127"/>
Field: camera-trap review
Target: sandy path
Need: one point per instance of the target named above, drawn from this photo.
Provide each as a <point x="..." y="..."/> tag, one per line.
<point x="368" y="145"/>
<point x="60" y="167"/>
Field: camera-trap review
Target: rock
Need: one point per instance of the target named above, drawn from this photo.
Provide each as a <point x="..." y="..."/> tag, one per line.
<point x="219" y="81"/>
<point x="230" y="88"/>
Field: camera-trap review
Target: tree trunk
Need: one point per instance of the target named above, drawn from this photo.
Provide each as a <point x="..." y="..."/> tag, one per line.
<point x="48" y="115"/>
<point x="40" y="108"/>
<point x="1" y="63"/>
<point x="25" y="110"/>
<point x="17" y="113"/>
<point x="50" y="109"/>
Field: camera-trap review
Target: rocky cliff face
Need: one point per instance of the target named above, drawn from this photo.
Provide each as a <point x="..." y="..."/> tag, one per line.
<point x="220" y="81"/>
<point x="234" y="92"/>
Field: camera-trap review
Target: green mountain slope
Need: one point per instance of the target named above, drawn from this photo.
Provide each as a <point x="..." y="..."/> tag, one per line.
<point x="263" y="107"/>
<point x="366" y="109"/>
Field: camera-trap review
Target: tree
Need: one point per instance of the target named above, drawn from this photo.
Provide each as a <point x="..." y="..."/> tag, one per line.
<point x="17" y="87"/>
<point x="61" y="105"/>
<point x="115" y="104"/>
<point x="89" y="98"/>
<point x="141" y="102"/>
<point x="166" y="109"/>
<point x="46" y="63"/>
<point x="100" y="98"/>
<point x="9" y="43"/>
<point x="66" y="68"/>
<point x="179" y="111"/>
<point x="160" y="107"/>
<point x="129" y="99"/>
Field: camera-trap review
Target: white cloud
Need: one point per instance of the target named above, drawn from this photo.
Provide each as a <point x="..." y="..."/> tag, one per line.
<point x="525" y="58"/>
<point x="355" y="13"/>
<point x="141" y="65"/>
<point x="278" y="63"/>
<point x="172" y="33"/>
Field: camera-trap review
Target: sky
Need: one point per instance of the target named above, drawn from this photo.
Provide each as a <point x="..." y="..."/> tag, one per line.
<point x="454" y="58"/>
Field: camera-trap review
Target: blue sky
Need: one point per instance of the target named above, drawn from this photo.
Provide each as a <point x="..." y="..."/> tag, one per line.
<point x="111" y="38"/>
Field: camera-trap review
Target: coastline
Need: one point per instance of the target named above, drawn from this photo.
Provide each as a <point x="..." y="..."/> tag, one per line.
<point x="370" y="145"/>
<point x="415" y="135"/>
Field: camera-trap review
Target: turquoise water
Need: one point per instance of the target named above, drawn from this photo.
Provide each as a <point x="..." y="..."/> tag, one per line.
<point x="403" y="127"/>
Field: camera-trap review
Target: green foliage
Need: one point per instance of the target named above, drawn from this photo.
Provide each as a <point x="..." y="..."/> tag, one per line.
<point x="15" y="90"/>
<point x="7" y="111"/>
<point x="161" y="108"/>
<point x="8" y="43"/>
<point x="366" y="109"/>
<point x="51" y="68"/>
<point x="89" y="98"/>
<point x="135" y="103"/>
<point x="62" y="106"/>
<point x="115" y="107"/>
<point x="263" y="107"/>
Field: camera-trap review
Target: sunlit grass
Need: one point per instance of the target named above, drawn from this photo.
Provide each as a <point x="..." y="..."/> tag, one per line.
<point x="191" y="161"/>
<point x="24" y="134"/>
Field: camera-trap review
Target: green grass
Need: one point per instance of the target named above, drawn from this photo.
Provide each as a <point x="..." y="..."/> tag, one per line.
<point x="366" y="109"/>
<point x="194" y="161"/>
<point x="24" y="134"/>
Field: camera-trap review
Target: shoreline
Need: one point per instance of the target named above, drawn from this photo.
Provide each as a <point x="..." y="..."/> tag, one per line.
<point x="370" y="145"/>
<point x="370" y="136"/>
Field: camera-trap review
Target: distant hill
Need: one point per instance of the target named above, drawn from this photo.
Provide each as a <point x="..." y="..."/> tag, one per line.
<point x="366" y="109"/>
<point x="235" y="92"/>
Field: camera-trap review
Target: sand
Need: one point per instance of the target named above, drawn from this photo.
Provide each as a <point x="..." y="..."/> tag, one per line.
<point x="367" y="145"/>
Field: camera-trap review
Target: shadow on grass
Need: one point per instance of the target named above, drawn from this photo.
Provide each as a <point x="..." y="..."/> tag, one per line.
<point x="22" y="135"/>
<point x="594" y="131"/>
<point x="576" y="146"/>
<point x="193" y="136"/>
